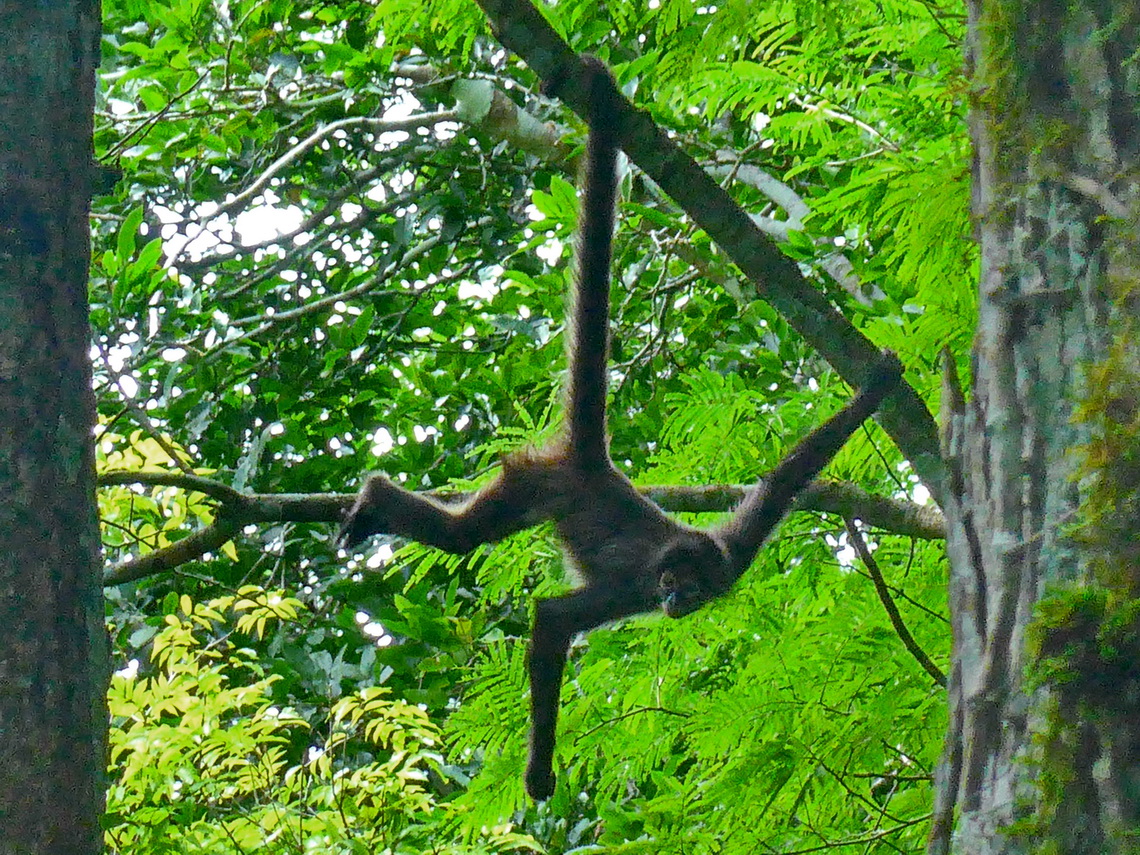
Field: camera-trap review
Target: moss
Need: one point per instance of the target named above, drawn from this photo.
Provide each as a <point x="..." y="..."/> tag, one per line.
<point x="1086" y="646"/>
<point x="1084" y="639"/>
<point x="1029" y="91"/>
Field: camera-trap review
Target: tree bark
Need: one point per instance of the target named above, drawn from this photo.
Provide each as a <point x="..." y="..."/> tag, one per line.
<point x="1054" y="117"/>
<point x="53" y="660"/>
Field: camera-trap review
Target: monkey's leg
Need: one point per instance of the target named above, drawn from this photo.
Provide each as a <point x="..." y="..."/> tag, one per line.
<point x="509" y="504"/>
<point x="555" y="622"/>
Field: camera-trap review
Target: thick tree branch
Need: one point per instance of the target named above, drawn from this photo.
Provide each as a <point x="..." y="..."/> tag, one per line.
<point x="857" y="541"/>
<point x="238" y="510"/>
<point x="520" y="27"/>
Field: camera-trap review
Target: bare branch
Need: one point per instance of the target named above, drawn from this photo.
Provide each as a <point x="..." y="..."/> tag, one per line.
<point x="373" y="123"/>
<point x="834" y="263"/>
<point x="223" y="493"/>
<point x="238" y="509"/>
<point x="863" y="840"/>
<point x="191" y="547"/>
<point x="892" y="610"/>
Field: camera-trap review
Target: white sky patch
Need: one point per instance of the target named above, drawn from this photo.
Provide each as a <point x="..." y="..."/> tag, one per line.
<point x="128" y="385"/>
<point x="382" y="442"/>
<point x="478" y="290"/>
<point x="118" y="355"/>
<point x="183" y="232"/>
<point x="120" y="107"/>
<point x="378" y="192"/>
<point x="268" y="221"/>
<point x="400" y="109"/>
<point x="402" y="181"/>
<point x="380" y="557"/>
<point x="260" y="224"/>
<point x="447" y="130"/>
<point x="844" y="551"/>
<point x="373" y="629"/>
<point x="550" y="251"/>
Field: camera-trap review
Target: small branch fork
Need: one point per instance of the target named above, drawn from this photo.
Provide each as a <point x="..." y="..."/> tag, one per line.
<point x="864" y="553"/>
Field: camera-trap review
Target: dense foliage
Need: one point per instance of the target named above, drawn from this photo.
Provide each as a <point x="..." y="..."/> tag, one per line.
<point x="324" y="255"/>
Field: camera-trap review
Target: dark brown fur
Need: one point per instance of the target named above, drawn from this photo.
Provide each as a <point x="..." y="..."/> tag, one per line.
<point x="631" y="557"/>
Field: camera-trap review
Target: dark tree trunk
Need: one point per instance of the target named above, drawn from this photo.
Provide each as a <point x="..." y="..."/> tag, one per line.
<point x="53" y="660"/>
<point x="1035" y="756"/>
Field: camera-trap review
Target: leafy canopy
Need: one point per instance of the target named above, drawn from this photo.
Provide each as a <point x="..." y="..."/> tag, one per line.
<point x="340" y="242"/>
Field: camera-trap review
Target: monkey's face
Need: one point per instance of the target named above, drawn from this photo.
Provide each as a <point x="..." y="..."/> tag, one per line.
<point x="690" y="572"/>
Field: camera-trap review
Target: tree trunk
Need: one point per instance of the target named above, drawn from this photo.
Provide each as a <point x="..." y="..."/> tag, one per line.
<point x="1044" y="693"/>
<point x="53" y="660"/>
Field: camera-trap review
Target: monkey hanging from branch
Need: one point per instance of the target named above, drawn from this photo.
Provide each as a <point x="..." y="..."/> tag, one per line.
<point x="630" y="556"/>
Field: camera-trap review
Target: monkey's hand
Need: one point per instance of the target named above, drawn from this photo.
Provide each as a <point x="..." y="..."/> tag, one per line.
<point x="590" y="75"/>
<point x="369" y="515"/>
<point x="885" y="374"/>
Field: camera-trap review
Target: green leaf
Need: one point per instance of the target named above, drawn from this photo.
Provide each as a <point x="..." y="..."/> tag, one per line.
<point x="128" y="232"/>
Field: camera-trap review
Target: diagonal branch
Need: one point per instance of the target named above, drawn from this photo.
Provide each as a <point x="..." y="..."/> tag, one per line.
<point x="521" y="28"/>
<point x="880" y="583"/>
<point x="190" y="548"/>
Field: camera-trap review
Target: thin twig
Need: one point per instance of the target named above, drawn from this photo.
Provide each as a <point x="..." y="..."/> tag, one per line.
<point x="892" y="610"/>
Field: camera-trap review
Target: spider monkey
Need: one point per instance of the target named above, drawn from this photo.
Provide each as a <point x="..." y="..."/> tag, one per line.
<point x="630" y="556"/>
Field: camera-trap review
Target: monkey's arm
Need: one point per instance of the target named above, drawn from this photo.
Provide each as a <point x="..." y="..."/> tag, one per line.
<point x="510" y="503"/>
<point x="556" y="620"/>
<point x="764" y="507"/>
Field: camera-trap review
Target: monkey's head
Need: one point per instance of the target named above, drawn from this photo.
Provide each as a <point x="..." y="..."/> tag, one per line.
<point x="691" y="570"/>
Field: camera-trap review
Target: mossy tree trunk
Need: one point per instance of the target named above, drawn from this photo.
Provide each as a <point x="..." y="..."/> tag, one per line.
<point x="1042" y="510"/>
<point x="53" y="661"/>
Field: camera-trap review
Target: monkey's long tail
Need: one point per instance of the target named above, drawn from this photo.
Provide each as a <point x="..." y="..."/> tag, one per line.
<point x="589" y="343"/>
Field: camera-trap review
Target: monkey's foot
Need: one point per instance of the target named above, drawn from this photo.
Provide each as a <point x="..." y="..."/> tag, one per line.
<point x="369" y="513"/>
<point x="539" y="783"/>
